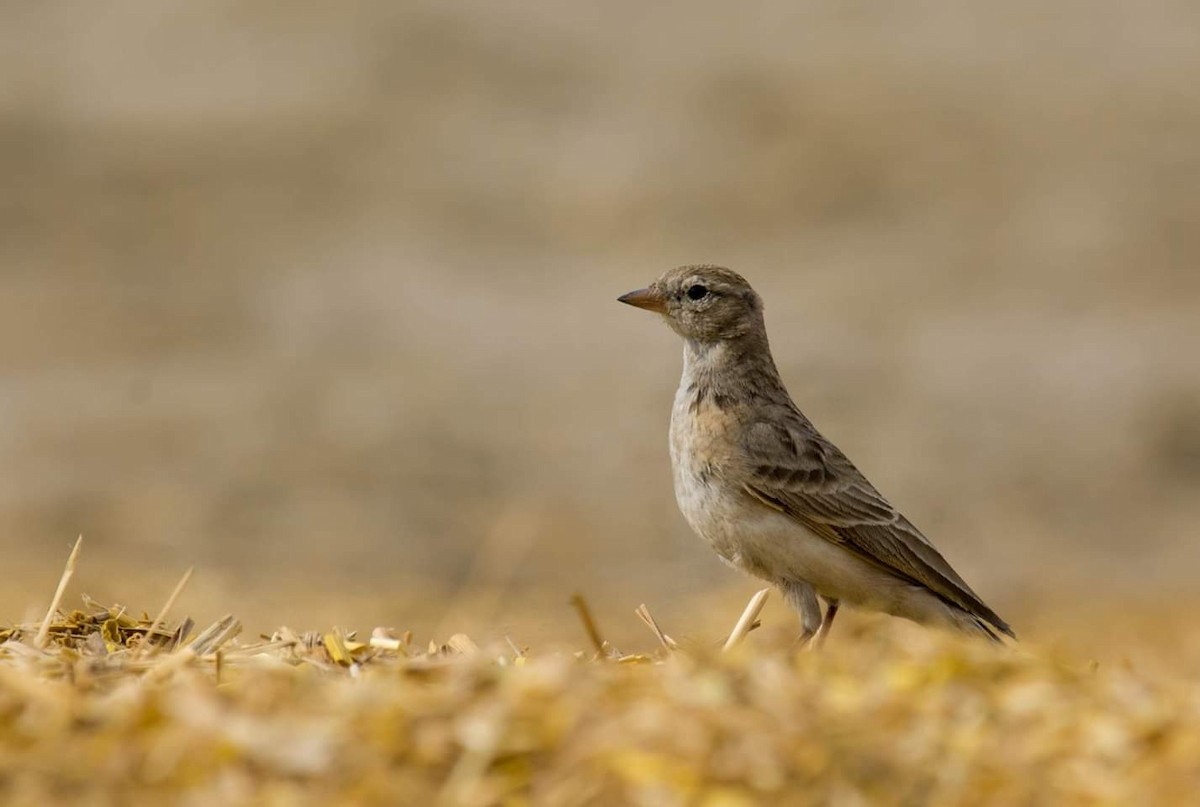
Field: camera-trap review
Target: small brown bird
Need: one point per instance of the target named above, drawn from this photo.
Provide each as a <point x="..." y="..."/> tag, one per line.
<point x="771" y="495"/>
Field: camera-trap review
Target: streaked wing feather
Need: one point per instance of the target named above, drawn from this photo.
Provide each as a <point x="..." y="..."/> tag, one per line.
<point x="797" y="471"/>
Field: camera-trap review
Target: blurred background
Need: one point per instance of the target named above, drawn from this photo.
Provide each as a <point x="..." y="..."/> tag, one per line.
<point x="320" y="299"/>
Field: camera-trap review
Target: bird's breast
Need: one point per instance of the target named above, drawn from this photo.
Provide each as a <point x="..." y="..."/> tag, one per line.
<point x="702" y="446"/>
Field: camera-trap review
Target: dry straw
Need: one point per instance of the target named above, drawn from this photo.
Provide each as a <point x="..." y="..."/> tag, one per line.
<point x="68" y="573"/>
<point x="889" y="713"/>
<point x="748" y="621"/>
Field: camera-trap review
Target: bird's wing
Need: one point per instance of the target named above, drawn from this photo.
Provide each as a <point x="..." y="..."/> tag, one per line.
<point x="795" y="470"/>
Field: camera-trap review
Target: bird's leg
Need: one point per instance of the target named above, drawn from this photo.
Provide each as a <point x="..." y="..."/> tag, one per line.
<point x="801" y="596"/>
<point x="826" y="622"/>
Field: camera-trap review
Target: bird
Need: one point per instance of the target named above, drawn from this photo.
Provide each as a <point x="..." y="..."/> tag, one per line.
<point x="773" y="496"/>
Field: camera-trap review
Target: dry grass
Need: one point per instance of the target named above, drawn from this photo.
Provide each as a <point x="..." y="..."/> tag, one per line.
<point x="118" y="709"/>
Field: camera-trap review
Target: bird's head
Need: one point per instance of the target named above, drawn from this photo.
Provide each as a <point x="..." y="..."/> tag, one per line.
<point x="702" y="303"/>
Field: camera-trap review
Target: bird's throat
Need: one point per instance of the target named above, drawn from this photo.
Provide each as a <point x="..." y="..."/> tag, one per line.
<point x="729" y="372"/>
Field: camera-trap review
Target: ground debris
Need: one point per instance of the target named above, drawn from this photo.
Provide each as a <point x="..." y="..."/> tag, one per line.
<point x="888" y="713"/>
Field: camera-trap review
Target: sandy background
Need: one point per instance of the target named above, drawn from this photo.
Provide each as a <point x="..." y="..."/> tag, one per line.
<point x="320" y="298"/>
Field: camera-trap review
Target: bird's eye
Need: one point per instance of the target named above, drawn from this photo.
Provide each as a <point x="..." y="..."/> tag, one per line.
<point x="697" y="292"/>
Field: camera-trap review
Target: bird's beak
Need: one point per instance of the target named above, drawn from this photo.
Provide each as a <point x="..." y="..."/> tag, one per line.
<point x="648" y="299"/>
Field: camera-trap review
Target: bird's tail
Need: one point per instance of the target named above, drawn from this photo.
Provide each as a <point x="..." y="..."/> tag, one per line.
<point x="977" y="626"/>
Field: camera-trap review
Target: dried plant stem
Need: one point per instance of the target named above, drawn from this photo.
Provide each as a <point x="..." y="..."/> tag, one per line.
<point x="68" y="572"/>
<point x="589" y="624"/>
<point x="747" y="621"/>
<point x="643" y="613"/>
<point x="386" y="643"/>
<point x="158" y="620"/>
<point x="216" y="635"/>
<point x="335" y="646"/>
